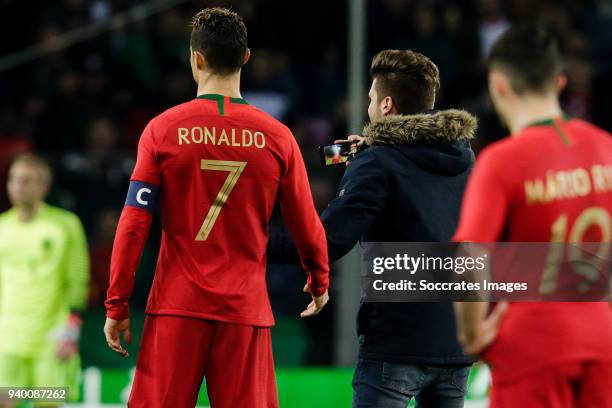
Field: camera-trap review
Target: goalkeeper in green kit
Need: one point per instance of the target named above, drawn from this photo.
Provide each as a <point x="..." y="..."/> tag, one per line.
<point x="44" y="275"/>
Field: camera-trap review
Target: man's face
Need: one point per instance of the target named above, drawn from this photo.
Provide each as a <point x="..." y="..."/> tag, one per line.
<point x="26" y="185"/>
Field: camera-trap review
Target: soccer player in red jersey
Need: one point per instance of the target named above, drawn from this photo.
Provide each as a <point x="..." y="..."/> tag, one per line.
<point x="216" y="165"/>
<point x="551" y="181"/>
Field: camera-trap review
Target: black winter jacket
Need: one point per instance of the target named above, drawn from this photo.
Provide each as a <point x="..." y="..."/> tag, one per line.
<point x="406" y="187"/>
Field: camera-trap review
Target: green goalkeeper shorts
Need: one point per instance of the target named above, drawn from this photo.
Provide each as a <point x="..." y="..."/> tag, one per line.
<point x="41" y="371"/>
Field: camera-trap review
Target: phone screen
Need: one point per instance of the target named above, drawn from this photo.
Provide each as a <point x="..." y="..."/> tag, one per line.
<point x="334" y="154"/>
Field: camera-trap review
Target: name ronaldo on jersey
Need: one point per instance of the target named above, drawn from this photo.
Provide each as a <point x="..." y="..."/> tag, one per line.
<point x="211" y="135"/>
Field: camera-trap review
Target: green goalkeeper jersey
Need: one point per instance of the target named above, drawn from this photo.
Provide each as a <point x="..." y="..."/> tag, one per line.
<point x="44" y="273"/>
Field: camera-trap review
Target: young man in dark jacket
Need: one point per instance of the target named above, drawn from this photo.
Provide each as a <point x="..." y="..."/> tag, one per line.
<point x="406" y="186"/>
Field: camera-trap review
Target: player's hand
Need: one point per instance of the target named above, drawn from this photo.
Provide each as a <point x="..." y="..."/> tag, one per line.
<point x="112" y="329"/>
<point x="317" y="304"/>
<point x="67" y="349"/>
<point x="486" y="332"/>
<point x="67" y="337"/>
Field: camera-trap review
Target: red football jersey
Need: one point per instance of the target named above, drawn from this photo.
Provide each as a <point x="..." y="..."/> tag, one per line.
<point x="550" y="183"/>
<point x="218" y="165"/>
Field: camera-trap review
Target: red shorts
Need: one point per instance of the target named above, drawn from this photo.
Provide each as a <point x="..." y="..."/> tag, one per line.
<point x="567" y="385"/>
<point x="176" y="353"/>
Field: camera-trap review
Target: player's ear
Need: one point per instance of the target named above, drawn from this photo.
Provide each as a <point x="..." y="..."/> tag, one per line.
<point x="247" y="57"/>
<point x="45" y="187"/>
<point x="561" y="83"/>
<point x="499" y="85"/>
<point x="197" y="59"/>
<point x="45" y="190"/>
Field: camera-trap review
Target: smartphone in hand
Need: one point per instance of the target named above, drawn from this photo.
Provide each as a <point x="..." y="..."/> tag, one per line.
<point x="334" y="154"/>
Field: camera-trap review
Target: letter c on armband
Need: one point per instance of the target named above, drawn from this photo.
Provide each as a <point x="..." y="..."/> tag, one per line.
<point x="142" y="195"/>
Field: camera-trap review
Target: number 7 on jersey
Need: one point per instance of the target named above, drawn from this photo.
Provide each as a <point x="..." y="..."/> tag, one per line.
<point x="235" y="169"/>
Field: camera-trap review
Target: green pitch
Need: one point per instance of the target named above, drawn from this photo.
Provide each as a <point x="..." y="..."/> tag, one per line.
<point x="298" y="387"/>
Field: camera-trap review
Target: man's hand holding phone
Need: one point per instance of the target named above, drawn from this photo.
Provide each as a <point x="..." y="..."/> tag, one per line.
<point x="342" y="151"/>
<point x="357" y="142"/>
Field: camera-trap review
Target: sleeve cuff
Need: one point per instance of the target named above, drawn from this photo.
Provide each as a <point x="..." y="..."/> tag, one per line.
<point x="118" y="313"/>
<point x="316" y="290"/>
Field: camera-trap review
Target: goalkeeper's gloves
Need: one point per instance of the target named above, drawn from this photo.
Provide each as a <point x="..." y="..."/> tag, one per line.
<point x="68" y="337"/>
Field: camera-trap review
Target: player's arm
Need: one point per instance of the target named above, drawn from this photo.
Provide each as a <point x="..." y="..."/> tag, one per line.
<point x="78" y="265"/>
<point x="130" y="238"/>
<point x="303" y="222"/>
<point x="483" y="215"/>
<point x="77" y="274"/>
<point x="2" y="233"/>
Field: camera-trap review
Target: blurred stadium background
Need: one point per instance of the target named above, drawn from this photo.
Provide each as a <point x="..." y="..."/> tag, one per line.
<point x="79" y="79"/>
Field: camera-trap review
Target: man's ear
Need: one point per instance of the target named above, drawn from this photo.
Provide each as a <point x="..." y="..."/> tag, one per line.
<point x="387" y="106"/>
<point x="247" y="57"/>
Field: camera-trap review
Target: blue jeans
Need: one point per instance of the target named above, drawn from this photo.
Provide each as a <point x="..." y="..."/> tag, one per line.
<point x="378" y="384"/>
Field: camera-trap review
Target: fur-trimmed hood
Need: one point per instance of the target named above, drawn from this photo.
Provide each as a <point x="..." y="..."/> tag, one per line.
<point x="437" y="142"/>
<point x="441" y="126"/>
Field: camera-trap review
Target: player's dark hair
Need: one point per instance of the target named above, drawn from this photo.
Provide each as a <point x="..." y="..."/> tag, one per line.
<point x="221" y="36"/>
<point x="411" y="79"/>
<point x="530" y="56"/>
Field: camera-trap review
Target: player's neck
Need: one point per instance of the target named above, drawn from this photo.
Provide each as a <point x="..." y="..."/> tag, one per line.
<point x="27" y="212"/>
<point x="221" y="85"/>
<point x="532" y="110"/>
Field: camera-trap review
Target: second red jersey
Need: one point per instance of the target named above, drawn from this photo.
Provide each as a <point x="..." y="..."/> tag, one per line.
<point x="220" y="166"/>
<point x="550" y="183"/>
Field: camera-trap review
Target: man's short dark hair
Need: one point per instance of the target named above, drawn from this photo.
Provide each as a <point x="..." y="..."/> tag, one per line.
<point x="530" y="56"/>
<point x="221" y="36"/>
<point x="411" y="79"/>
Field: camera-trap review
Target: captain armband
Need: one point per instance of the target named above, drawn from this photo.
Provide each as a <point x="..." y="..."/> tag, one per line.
<point x="142" y="195"/>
